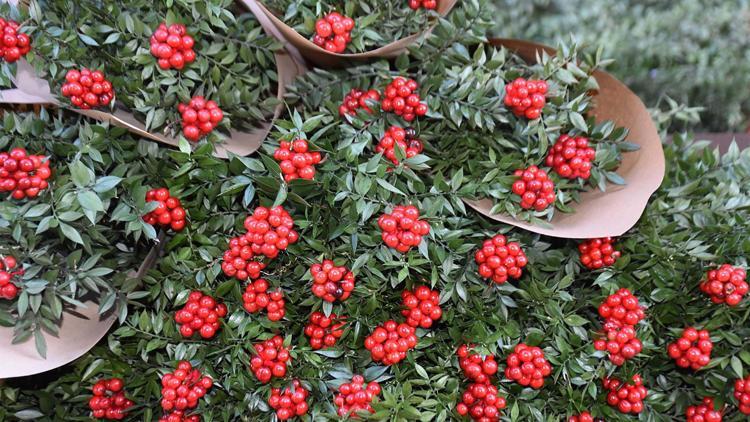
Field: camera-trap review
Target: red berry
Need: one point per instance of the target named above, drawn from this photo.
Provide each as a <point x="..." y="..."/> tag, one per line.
<point x="726" y="284"/>
<point x="271" y="359"/>
<point x="626" y="397"/>
<point x="692" y="349"/>
<point x="87" y="89"/>
<point x="526" y="98"/>
<point x="172" y="47"/>
<point x="598" y="253"/>
<point x="168" y="213"/>
<point x="571" y="157"/>
<point x="402" y="229"/>
<point x="535" y="188"/>
<point x="333" y="32"/>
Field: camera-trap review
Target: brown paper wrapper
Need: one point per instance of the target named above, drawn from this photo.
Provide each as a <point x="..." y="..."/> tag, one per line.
<point x="610" y="213"/>
<point x="319" y="56"/>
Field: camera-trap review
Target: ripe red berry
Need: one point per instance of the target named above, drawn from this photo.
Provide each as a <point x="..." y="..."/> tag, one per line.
<point x="270" y="230"/>
<point x="692" y="349"/>
<point x="427" y="4"/>
<point x="725" y="284"/>
<point x="621" y="312"/>
<point x="333" y="32"/>
<point x="390" y="342"/>
<point x="526" y="97"/>
<point x="421" y="306"/>
<point x="402" y="229"/>
<point x="527" y="366"/>
<point x="179" y="416"/>
<point x="481" y="403"/>
<point x="477" y="368"/>
<point x="499" y="259"/>
<point x="8" y="278"/>
<point x="239" y="261"/>
<point x="571" y="157"/>
<point x="256" y="299"/>
<point x="323" y="331"/>
<point x="289" y="402"/>
<point x="704" y="412"/>
<point x="330" y="282"/>
<point x="404" y="138"/>
<point x="598" y="253"/>
<point x="270" y="360"/>
<point x="625" y="397"/>
<point x="402" y="99"/>
<point x="108" y="400"/>
<point x="23" y="175"/>
<point x="182" y="388"/>
<point x="199" y="117"/>
<point x="582" y="417"/>
<point x="13" y="45"/>
<point x="742" y="394"/>
<point x="295" y="161"/>
<point x="201" y="314"/>
<point x="172" y="46"/>
<point x="169" y="211"/>
<point x="535" y="188"/>
<point x="356" y="397"/>
<point x="87" y="89"/>
<point x="357" y="99"/>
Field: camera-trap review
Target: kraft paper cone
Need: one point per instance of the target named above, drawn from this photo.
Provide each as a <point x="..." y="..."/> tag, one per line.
<point x="610" y="213"/>
<point x="323" y="58"/>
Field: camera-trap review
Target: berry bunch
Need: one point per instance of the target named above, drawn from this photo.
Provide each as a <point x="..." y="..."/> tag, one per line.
<point x="621" y="308"/>
<point x="704" y="412"/>
<point x="172" y="46"/>
<point x="270" y="230"/>
<point x="476" y="367"/>
<point x="295" y="161"/>
<point x="183" y="388"/>
<point x="108" y="401"/>
<point x="239" y="260"/>
<point x="356" y="99"/>
<point x="692" y="349"/>
<point x="271" y="359"/>
<point x="725" y="285"/>
<point x="179" y="416"/>
<point x="330" y="282"/>
<point x="481" y="403"/>
<point x="535" y="188"/>
<point x="169" y="211"/>
<point x="499" y="259"/>
<point x="526" y="97"/>
<point x="256" y="298"/>
<point x="401" y="97"/>
<point x="13" y="45"/>
<point x="621" y="343"/>
<point x="742" y="394"/>
<point x="355" y="396"/>
<point x="582" y="417"/>
<point x="201" y="313"/>
<point x="404" y="138"/>
<point x="87" y="89"/>
<point x="571" y="157"/>
<point x="390" y="341"/>
<point x="333" y="32"/>
<point x="626" y="397"/>
<point x="402" y="229"/>
<point x="22" y="174"/>
<point x="323" y="331"/>
<point x="598" y="253"/>
<point x="421" y="307"/>
<point x="527" y="366"/>
<point x="289" y="402"/>
<point x="8" y="290"/>
<point x="427" y="4"/>
<point x="199" y="117"/>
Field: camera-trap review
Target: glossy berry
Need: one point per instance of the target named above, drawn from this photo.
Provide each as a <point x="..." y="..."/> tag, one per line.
<point x="257" y="298"/>
<point x="581" y="417"/>
<point x="742" y="394"/>
<point x="527" y="366"/>
<point x="692" y="349"/>
<point x="621" y="307"/>
<point x="535" y="188"/>
<point x="169" y="211"/>
<point x="295" y="161"/>
<point x="356" y="396"/>
<point x="389" y="342"/>
<point x="8" y="288"/>
<point x="182" y="388"/>
<point x="270" y="360"/>
<point x="481" y="403"/>
<point x="421" y="306"/>
<point x="402" y="229"/>
<point x="526" y="98"/>
<point x="270" y="230"/>
<point x="571" y="157"/>
<point x="598" y="253"/>
<point x="499" y="259"/>
<point x="240" y="261"/>
<point x="13" y="45"/>
<point x="725" y="284"/>
<point x="333" y="32"/>
<point x="172" y="46"/>
<point x="704" y="412"/>
<point x="289" y="402"/>
<point x="179" y="416"/>
<point x="356" y="99"/>
<point x="402" y="98"/>
<point x="323" y="331"/>
<point x="108" y="400"/>
<point x="331" y="283"/>
<point x="427" y="4"/>
<point x="201" y="314"/>
<point x="395" y="135"/>
<point x="625" y="397"/>
<point x="87" y="89"/>
<point x="620" y="342"/>
<point x="199" y="117"/>
<point x="23" y="175"/>
<point x="477" y="368"/>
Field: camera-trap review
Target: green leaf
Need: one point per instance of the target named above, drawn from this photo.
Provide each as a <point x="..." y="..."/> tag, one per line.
<point x="71" y="233"/>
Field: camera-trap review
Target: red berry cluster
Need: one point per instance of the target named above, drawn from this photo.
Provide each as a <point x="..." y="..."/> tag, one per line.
<point x="477" y="368"/>
<point x="8" y="290"/>
<point x="270" y="360"/>
<point x="256" y="298"/>
<point x="621" y="308"/>
<point x="179" y="416"/>
<point x="239" y="260"/>
<point x="13" y="45"/>
<point x="725" y="285"/>
<point x="527" y="366"/>
<point x="201" y="313"/>
<point x="692" y="349"/>
<point x="172" y="46"/>
<point x="526" y="97"/>
<point x="333" y="32"/>
<point x="295" y="161"/>
<point x="390" y="341"/>
<point x="169" y="211"/>
<point x="401" y="97"/>
<point x="108" y="401"/>
<point x="626" y="397"/>
<point x="402" y="229"/>
<point x="598" y="253"/>
<point x="571" y="157"/>
<point x="183" y="388"/>
<point x="621" y="312"/>
<point x="199" y="117"/>
<point x="427" y="4"/>
<point x="499" y="259"/>
<point x="330" y="282"/>
<point x="742" y="394"/>
<point x="535" y="188"/>
<point x="355" y="99"/>
<point x="270" y="230"/>
<point x="404" y="138"/>
<point x="481" y="403"/>
<point x="355" y="396"/>
<point x="323" y="331"/>
<point x="289" y="402"/>
<point x="23" y="174"/>
<point x="704" y="412"/>
<point x="87" y="89"/>
<point x="582" y="417"/>
<point x="421" y="307"/>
